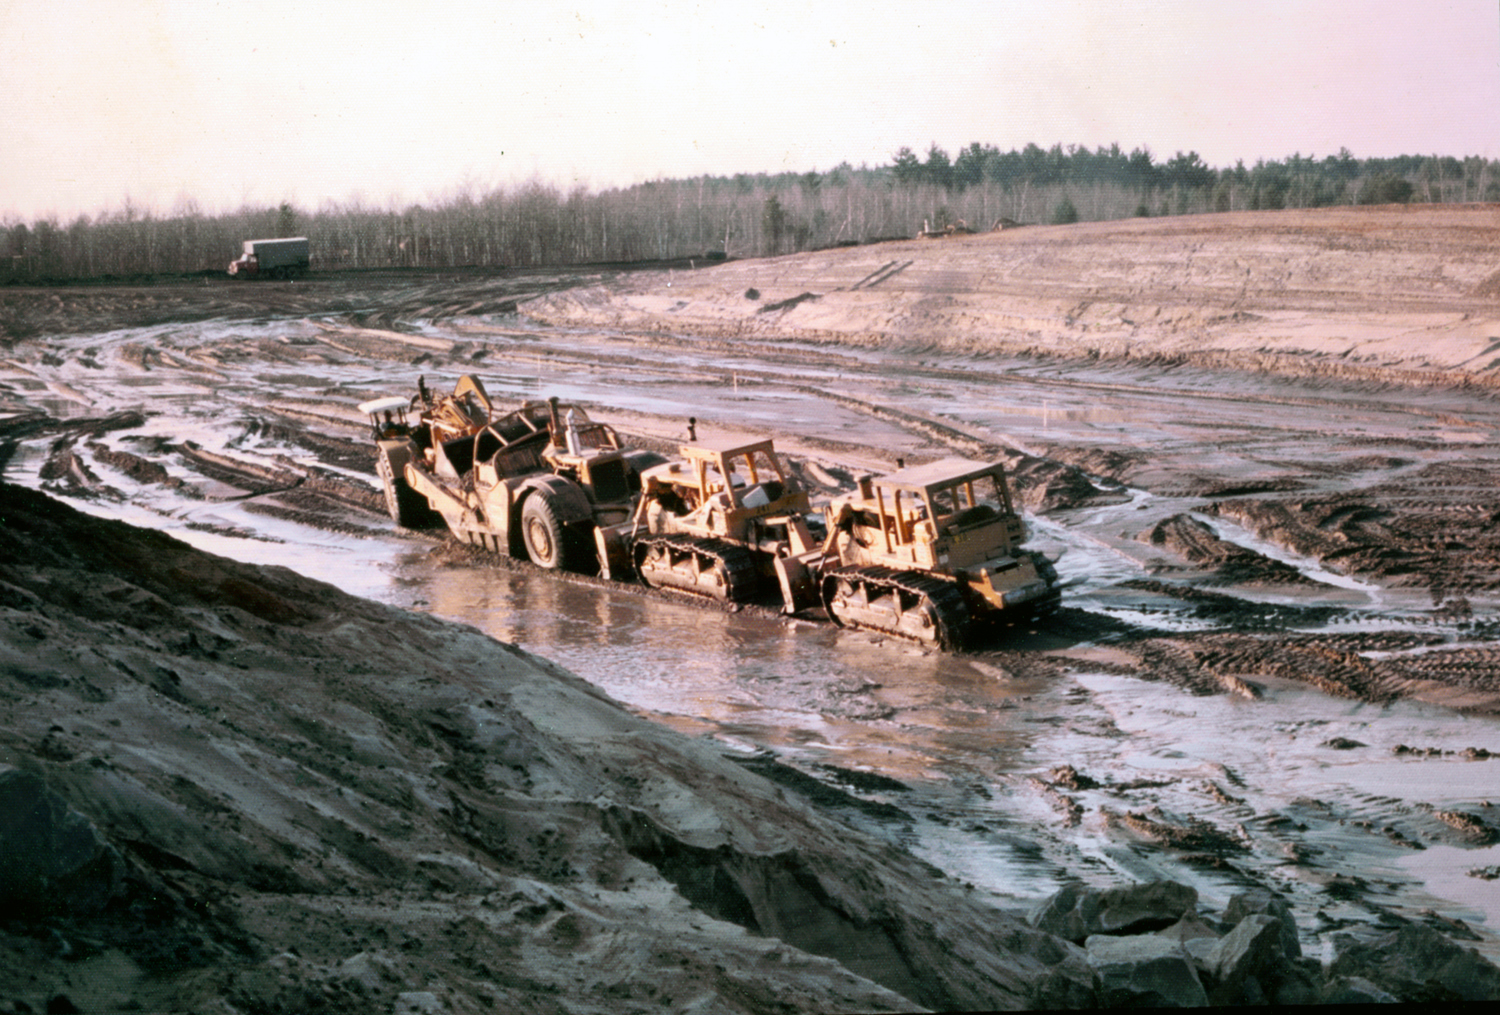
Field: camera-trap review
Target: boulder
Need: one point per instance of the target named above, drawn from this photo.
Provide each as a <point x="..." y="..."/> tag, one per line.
<point x="369" y="972"/>
<point x="1191" y="927"/>
<point x="1415" y="963"/>
<point x="1260" y="900"/>
<point x="1076" y="911"/>
<point x="1300" y="983"/>
<point x="1194" y="934"/>
<point x="54" y="859"/>
<point x="419" y="1002"/>
<point x="1353" y="990"/>
<point x="1247" y="962"/>
<point x="1144" y="970"/>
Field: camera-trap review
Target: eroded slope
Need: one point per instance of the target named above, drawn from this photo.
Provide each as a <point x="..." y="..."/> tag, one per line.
<point x="311" y="800"/>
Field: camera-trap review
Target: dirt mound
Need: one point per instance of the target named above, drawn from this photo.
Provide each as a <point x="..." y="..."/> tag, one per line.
<point x="1198" y="543"/>
<point x="316" y="802"/>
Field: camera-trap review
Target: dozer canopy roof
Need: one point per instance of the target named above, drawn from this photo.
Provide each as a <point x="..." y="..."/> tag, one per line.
<point x="388" y="404"/>
<point x="711" y="449"/>
<point x="936" y="475"/>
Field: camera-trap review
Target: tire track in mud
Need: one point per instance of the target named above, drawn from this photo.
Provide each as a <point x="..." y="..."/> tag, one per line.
<point x="1451" y="548"/>
<point x="309" y="495"/>
<point x="1360" y="667"/>
<point x="1216" y="662"/>
<point x="1063" y="478"/>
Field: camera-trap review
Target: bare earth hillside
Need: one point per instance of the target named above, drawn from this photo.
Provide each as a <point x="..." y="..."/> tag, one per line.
<point x="1393" y="293"/>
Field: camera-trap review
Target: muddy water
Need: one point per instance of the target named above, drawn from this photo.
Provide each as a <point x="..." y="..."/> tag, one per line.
<point x="1303" y="791"/>
<point x="970" y="738"/>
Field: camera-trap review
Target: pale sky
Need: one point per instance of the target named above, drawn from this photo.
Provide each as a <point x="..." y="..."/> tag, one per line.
<point x="226" y="103"/>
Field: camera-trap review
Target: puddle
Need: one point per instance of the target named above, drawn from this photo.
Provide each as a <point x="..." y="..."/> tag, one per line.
<point x="1444" y="873"/>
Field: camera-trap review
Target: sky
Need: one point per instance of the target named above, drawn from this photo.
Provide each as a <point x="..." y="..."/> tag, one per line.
<point x="174" y="106"/>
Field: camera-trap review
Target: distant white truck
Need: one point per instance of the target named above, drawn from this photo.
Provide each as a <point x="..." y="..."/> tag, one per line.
<point x="282" y="258"/>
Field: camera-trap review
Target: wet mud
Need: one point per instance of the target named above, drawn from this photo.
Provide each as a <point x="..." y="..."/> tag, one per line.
<point x="1276" y="664"/>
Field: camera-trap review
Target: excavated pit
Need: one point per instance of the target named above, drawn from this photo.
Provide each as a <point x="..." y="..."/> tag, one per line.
<point x="1275" y="664"/>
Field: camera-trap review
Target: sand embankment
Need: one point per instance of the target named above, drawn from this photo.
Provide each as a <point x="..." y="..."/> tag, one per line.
<point x="1408" y="294"/>
<point x="232" y="788"/>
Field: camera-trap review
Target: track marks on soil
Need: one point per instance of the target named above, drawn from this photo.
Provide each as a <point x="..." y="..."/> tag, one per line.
<point x="1402" y="534"/>
<point x="1372" y="668"/>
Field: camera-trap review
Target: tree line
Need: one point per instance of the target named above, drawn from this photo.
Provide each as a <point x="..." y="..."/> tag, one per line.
<point x="741" y="215"/>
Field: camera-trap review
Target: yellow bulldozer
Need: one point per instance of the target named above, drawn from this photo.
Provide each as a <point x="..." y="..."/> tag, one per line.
<point x="930" y="553"/>
<point x="714" y="522"/>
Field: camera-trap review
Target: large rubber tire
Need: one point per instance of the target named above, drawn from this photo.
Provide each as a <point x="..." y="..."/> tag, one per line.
<point x="408" y="508"/>
<point x="545" y="538"/>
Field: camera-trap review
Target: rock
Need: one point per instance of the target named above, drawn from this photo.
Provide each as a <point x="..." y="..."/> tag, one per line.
<point x="370" y="971"/>
<point x="54" y="858"/>
<point x="1471" y="827"/>
<point x="1076" y="911"/>
<point x="418" y="1002"/>
<point x="1196" y="936"/>
<point x="1068" y="777"/>
<point x="1191" y="927"/>
<point x="1300" y="983"/>
<point x="1342" y="744"/>
<point x="1144" y="970"/>
<point x="1449" y="925"/>
<point x="1416" y="964"/>
<point x="1353" y="990"/>
<point x="1250" y="952"/>
<point x="1260" y="900"/>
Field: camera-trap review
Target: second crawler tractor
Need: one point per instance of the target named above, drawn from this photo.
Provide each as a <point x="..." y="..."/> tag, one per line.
<point x="927" y="553"/>
<point x="715" y="522"/>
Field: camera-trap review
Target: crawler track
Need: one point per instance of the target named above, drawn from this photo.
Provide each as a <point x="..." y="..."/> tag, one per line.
<point x="709" y="568"/>
<point x="905" y="604"/>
